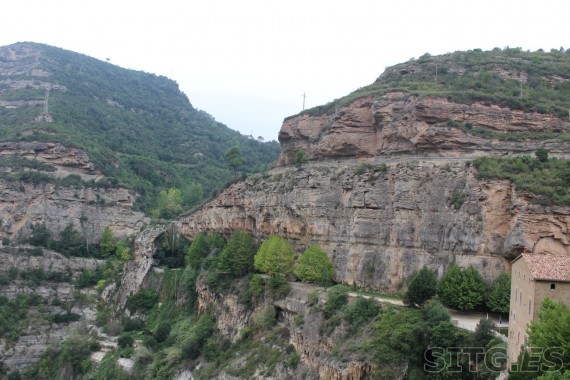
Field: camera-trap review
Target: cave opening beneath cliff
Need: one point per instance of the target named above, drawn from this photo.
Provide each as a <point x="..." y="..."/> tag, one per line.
<point x="171" y="248"/>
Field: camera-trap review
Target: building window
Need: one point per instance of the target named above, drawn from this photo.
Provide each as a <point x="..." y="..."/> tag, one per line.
<point x="528" y="307"/>
<point x="552" y="287"/>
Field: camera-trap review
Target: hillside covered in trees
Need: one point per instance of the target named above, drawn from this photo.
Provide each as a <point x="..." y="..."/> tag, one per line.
<point x="138" y="128"/>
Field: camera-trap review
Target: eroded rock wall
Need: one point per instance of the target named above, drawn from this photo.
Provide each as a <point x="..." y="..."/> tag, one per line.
<point x="380" y="225"/>
<point x="403" y="124"/>
<point x="91" y="209"/>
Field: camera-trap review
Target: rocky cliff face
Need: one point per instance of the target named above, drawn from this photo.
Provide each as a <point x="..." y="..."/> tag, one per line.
<point x="315" y="349"/>
<point x="404" y="124"/>
<point x="57" y="203"/>
<point x="382" y="221"/>
<point x="56" y="298"/>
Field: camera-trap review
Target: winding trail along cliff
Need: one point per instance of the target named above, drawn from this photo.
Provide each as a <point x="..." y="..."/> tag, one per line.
<point x="382" y="221"/>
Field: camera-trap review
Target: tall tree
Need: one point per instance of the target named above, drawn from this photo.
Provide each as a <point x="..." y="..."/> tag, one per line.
<point x="198" y="251"/>
<point x="275" y="257"/>
<point x="422" y="286"/>
<point x="315" y="266"/>
<point x="463" y="289"/>
<point x="107" y="243"/>
<point x="500" y="297"/>
<point x="234" y="158"/>
<point x="237" y="256"/>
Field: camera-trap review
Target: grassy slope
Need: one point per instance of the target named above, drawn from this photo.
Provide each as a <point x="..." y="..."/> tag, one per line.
<point x="475" y="75"/>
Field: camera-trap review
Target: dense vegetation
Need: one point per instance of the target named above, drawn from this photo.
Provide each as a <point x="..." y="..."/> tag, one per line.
<point x="488" y="76"/>
<point x="138" y="128"/>
<point x="547" y="178"/>
<point x="165" y="329"/>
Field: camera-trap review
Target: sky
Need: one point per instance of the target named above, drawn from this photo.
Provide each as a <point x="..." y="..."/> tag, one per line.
<point x="249" y="62"/>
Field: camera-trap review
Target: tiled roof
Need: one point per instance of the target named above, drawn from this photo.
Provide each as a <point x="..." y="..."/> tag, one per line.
<point x="546" y="266"/>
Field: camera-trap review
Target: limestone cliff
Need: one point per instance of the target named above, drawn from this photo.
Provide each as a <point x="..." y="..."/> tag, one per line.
<point x="85" y="201"/>
<point x="37" y="333"/>
<point x="399" y="123"/>
<point x="416" y="201"/>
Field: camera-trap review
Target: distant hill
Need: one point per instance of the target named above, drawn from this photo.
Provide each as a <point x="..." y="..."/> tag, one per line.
<point x="138" y="128"/>
<point x="497" y="77"/>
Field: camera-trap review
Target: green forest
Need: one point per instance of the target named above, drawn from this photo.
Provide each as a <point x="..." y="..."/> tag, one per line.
<point x="138" y="128"/>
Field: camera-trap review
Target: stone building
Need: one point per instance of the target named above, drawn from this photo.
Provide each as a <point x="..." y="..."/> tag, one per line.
<point x="535" y="276"/>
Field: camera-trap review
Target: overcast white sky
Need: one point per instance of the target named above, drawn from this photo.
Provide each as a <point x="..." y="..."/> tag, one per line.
<point x="248" y="62"/>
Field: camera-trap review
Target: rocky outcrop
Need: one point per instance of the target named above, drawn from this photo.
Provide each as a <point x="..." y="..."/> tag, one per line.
<point x="90" y="208"/>
<point x="65" y="160"/>
<point x="380" y="224"/>
<point x="134" y="271"/>
<point x="399" y="123"/>
<point x="40" y="333"/>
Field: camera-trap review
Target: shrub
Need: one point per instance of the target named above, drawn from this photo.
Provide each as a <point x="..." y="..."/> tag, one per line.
<point x="457" y="199"/>
<point x="293" y="360"/>
<point x="360" y="311"/>
<point x="257" y="285"/>
<point x="422" y="286"/>
<point x="278" y="287"/>
<point x="64" y="318"/>
<point x="40" y="235"/>
<point x="162" y="331"/>
<point x="125" y="340"/>
<point x="315" y="266"/>
<point x="142" y="301"/>
<point x="313" y="298"/>
<point x="133" y="324"/>
<point x="266" y="318"/>
<point x="300" y="158"/>
<point x="194" y="340"/>
<point x="337" y="298"/>
<point x="542" y="154"/>
<point x="198" y="250"/>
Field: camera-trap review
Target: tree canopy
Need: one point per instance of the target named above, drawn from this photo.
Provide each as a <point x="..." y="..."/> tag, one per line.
<point x="463" y="289"/>
<point x="422" y="286"/>
<point x="275" y="257"/>
<point x="315" y="266"/>
<point x="500" y="297"/>
<point x="237" y="256"/>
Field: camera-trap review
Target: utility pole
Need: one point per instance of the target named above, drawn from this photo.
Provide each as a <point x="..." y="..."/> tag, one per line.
<point x="46" y="103"/>
<point x="436" y="74"/>
<point x="304" y="96"/>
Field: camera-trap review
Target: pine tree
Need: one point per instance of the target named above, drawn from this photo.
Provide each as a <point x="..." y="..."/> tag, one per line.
<point x="107" y="243"/>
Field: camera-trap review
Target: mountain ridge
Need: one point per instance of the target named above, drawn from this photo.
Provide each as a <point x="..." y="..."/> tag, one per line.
<point x="136" y="127"/>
